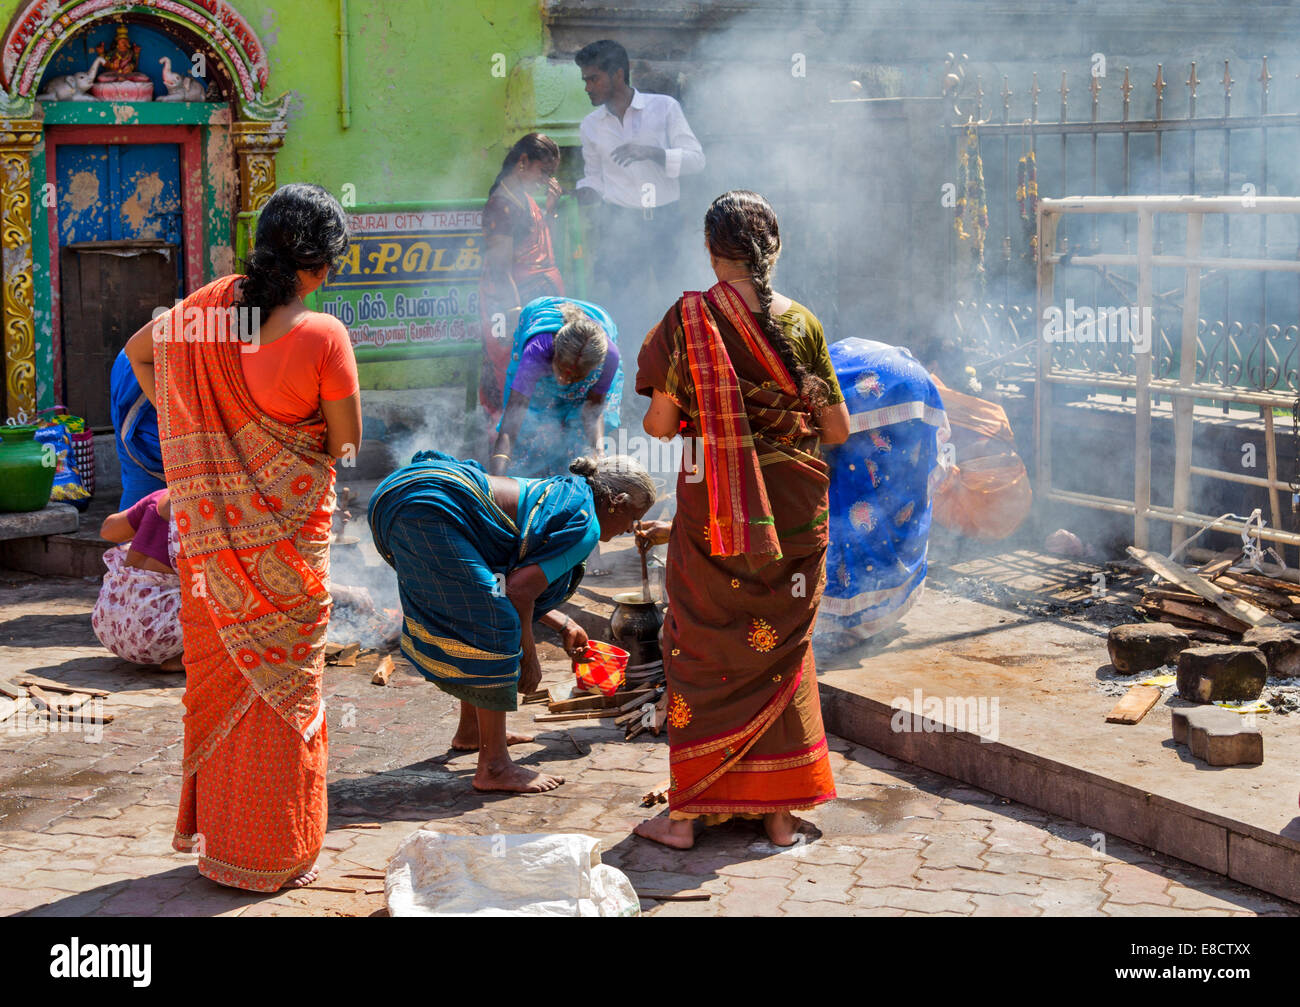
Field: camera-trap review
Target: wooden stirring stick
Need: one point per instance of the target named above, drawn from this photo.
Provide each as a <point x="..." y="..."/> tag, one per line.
<point x="645" y="573"/>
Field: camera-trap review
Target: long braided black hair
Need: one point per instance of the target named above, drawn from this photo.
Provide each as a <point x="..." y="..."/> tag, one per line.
<point x="741" y="225"/>
<point x="301" y="227"/>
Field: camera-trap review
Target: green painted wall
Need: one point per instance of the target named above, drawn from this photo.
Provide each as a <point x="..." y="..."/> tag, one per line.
<point x="431" y="85"/>
<point x="428" y="97"/>
<point x="428" y="113"/>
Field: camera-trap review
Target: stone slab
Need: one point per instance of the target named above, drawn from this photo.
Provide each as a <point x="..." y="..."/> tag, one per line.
<point x="54" y="519"/>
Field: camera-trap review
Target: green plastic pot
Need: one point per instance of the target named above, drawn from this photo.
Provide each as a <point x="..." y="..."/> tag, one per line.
<point x="26" y="472"/>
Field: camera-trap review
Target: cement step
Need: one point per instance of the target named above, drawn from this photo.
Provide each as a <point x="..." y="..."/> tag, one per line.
<point x="54" y="519"/>
<point x="1050" y="746"/>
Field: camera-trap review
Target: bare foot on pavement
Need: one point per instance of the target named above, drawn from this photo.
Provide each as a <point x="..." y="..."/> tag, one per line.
<point x="782" y="827"/>
<point x="679" y="834"/>
<point x="302" y="880"/>
<point x="514" y="779"/>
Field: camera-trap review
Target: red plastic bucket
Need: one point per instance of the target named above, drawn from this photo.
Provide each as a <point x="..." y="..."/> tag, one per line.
<point x="602" y="667"/>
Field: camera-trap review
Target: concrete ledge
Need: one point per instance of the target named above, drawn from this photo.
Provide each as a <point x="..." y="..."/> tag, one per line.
<point x="56" y="556"/>
<point x="54" y="519"/>
<point x="1243" y="852"/>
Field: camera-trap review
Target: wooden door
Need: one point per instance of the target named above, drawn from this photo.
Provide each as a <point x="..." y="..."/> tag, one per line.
<point x="110" y="289"/>
<point x="119" y="236"/>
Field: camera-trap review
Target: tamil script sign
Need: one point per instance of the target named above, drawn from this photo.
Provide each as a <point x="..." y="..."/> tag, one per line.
<point x="409" y="276"/>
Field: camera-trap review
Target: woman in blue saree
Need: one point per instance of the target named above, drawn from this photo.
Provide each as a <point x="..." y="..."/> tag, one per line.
<point x="479" y="559"/>
<point x="563" y="387"/>
<point x="135" y="432"/>
<point x="882" y="479"/>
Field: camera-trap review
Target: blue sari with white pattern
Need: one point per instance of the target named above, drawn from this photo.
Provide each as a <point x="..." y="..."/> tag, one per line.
<point x="881" y="483"/>
<point x="551" y="434"/>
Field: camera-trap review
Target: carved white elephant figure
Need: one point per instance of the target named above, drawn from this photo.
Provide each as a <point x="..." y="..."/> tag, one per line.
<point x="72" y="86"/>
<point x="180" y="86"/>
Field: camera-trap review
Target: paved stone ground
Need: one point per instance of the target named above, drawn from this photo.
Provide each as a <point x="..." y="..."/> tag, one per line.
<point x="85" y="824"/>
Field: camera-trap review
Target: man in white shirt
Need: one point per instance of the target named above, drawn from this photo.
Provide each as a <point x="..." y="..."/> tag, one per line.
<point x="635" y="146"/>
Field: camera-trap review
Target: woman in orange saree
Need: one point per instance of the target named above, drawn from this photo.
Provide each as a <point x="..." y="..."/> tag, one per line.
<point x="748" y="373"/>
<point x="519" y="261"/>
<point x="249" y="429"/>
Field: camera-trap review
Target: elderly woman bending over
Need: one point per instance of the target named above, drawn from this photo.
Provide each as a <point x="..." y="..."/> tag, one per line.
<point x="563" y="388"/>
<point x="481" y="558"/>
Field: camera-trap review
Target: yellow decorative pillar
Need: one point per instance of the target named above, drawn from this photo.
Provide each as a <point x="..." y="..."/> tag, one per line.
<point x="255" y="146"/>
<point x="18" y="138"/>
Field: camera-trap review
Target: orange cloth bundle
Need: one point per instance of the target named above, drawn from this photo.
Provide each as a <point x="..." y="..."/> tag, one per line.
<point x="987" y="497"/>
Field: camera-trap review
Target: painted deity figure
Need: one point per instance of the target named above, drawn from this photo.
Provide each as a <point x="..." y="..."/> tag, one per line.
<point x="121" y="60"/>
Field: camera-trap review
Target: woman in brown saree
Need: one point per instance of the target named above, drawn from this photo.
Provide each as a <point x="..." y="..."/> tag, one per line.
<point x="744" y="374"/>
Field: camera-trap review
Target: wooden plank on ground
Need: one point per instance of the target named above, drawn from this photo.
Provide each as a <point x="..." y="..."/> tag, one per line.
<point x="1164" y="594"/>
<point x="7" y="688"/>
<point x="72" y="704"/>
<point x="597" y="701"/>
<point x="52" y="686"/>
<point x="342" y="655"/>
<point x="1134" y="705"/>
<point x="555" y="718"/>
<point x="1284" y="587"/>
<point x="1235" y="607"/>
<point x="1201" y="614"/>
<point x="1253" y="593"/>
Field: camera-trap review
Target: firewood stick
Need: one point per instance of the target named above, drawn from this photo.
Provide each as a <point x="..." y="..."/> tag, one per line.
<point x="73" y="703"/>
<point x="556" y="718"/>
<point x="660" y="895"/>
<point x="384" y="671"/>
<point x="635" y="711"/>
<point x="599" y="702"/>
<point x="52" y="686"/>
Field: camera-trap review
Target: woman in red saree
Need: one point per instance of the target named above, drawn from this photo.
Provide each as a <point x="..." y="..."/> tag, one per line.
<point x="518" y="262"/>
<point x="748" y="372"/>
<point x="256" y="397"/>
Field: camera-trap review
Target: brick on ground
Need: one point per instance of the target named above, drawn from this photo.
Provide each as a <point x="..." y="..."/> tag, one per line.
<point x="1215" y="672"/>
<point x="1219" y="737"/>
<point x="1142" y="646"/>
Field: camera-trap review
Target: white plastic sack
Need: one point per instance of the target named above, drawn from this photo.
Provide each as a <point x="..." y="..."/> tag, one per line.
<point x="432" y="874"/>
